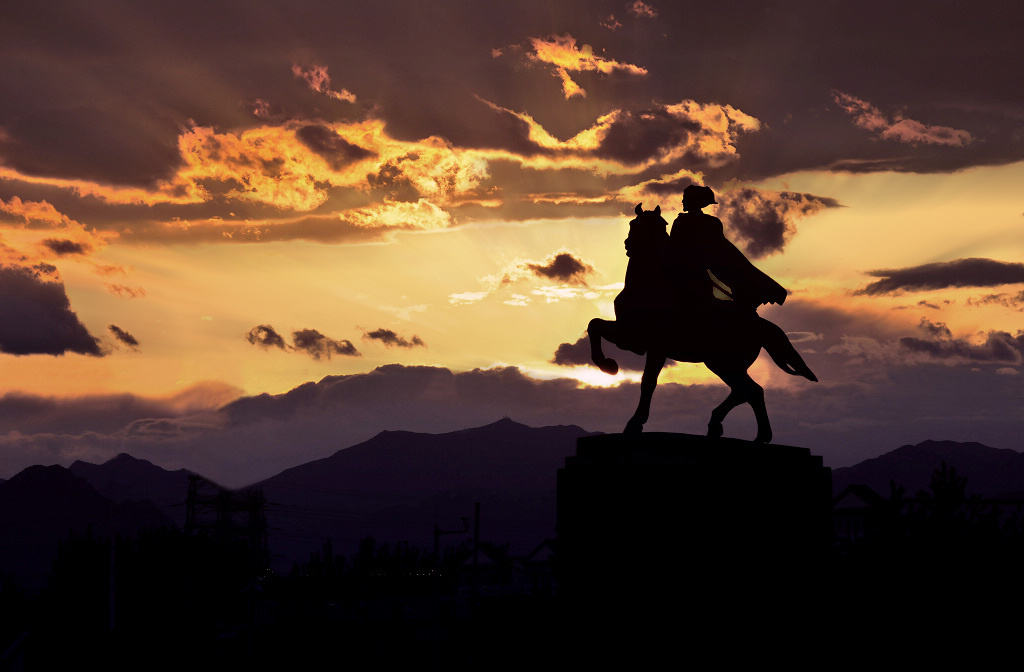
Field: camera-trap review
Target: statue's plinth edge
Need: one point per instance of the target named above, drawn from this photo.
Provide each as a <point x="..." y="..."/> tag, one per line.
<point x="675" y="447"/>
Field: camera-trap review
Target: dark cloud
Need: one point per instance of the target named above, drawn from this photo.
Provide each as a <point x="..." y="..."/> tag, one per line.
<point x="390" y="338"/>
<point x="998" y="347"/>
<point x="125" y="291"/>
<point x="123" y="336"/>
<point x="241" y="443"/>
<point x="636" y="137"/>
<point x="1015" y="301"/>
<point x="62" y="247"/>
<point x="841" y="419"/>
<point x="420" y="74"/>
<point x="318" y="346"/>
<point x="668" y="187"/>
<point x="36" y="316"/>
<point x="973" y="272"/>
<point x="762" y="222"/>
<point x="105" y="145"/>
<point x="31" y="414"/>
<point x="337" y="151"/>
<point x="578" y="354"/>
<point x="308" y="341"/>
<point x="563" y="267"/>
<point x="392" y="182"/>
<point x="266" y="337"/>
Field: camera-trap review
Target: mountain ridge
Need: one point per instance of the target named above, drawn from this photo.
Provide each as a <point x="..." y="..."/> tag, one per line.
<point x="990" y="472"/>
<point x="41" y="506"/>
<point x="399" y="484"/>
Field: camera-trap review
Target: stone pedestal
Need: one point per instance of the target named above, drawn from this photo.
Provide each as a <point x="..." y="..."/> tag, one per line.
<point x="661" y="517"/>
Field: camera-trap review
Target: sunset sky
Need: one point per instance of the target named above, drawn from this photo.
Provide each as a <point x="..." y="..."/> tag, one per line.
<point x="351" y="217"/>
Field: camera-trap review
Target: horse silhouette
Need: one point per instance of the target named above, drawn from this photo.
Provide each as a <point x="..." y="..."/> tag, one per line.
<point x="727" y="336"/>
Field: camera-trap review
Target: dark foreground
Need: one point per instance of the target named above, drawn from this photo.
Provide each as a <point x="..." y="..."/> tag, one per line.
<point x="650" y="571"/>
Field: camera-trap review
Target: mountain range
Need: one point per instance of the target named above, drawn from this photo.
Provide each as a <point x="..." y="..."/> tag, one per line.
<point x="990" y="472"/>
<point x="398" y="486"/>
<point x="41" y="506"/>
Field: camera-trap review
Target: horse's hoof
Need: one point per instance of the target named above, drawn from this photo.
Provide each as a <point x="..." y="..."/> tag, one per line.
<point x="715" y="430"/>
<point x="763" y="438"/>
<point x="609" y="366"/>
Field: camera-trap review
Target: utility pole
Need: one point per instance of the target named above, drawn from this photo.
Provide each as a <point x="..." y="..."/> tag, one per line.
<point x="228" y="517"/>
<point x="435" y="579"/>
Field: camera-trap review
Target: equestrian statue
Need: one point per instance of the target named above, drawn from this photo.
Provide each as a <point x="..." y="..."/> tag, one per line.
<point x="692" y="296"/>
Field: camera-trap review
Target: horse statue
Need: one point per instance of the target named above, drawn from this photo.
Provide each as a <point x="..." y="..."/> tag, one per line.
<point x="651" y="321"/>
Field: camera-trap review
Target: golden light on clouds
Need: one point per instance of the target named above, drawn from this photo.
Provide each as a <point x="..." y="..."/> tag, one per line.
<point x="464" y="179"/>
<point x="318" y="80"/>
<point x="897" y="127"/>
<point x="268" y="164"/>
<point x="37" y="232"/>
<point x="720" y="127"/>
<point x="174" y="191"/>
<point x="561" y="52"/>
<point x="421" y="215"/>
<point x="707" y="132"/>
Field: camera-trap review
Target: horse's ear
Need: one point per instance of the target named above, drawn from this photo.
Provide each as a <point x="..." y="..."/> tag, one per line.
<point x="657" y="210"/>
<point x="639" y="211"/>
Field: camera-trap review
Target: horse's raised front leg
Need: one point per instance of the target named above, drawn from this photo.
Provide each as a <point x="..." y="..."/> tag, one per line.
<point x="652" y="368"/>
<point x="596" y="330"/>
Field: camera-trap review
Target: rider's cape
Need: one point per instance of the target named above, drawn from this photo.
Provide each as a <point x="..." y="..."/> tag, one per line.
<point x="698" y="246"/>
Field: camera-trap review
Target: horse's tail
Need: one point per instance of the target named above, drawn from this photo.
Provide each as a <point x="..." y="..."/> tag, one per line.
<point x="782" y="352"/>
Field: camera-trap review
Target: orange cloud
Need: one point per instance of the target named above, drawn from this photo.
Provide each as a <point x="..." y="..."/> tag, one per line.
<point x="291" y="166"/>
<point x="125" y="291"/>
<point x="625" y="141"/>
<point x="269" y="165"/>
<point x="666" y="187"/>
<point x="37" y="232"/>
<point x="318" y="80"/>
<point x="421" y="215"/>
<point x="899" y="128"/>
<point x="561" y="52"/>
<point x="639" y="8"/>
<point x="720" y="126"/>
<point x="34" y="211"/>
<point x="358" y="182"/>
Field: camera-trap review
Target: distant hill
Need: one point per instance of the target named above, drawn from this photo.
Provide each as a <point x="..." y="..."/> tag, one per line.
<point x="397" y="485"/>
<point x="42" y="506"/>
<point x="989" y="471"/>
<point x="125" y="478"/>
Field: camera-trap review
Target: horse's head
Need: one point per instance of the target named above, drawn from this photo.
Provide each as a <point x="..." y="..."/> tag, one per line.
<point x="647" y="232"/>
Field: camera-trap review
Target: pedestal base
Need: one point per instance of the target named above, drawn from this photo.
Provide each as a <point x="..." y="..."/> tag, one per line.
<point x="679" y="517"/>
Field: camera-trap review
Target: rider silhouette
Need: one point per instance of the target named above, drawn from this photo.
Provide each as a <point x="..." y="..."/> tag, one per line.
<point x="707" y="271"/>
